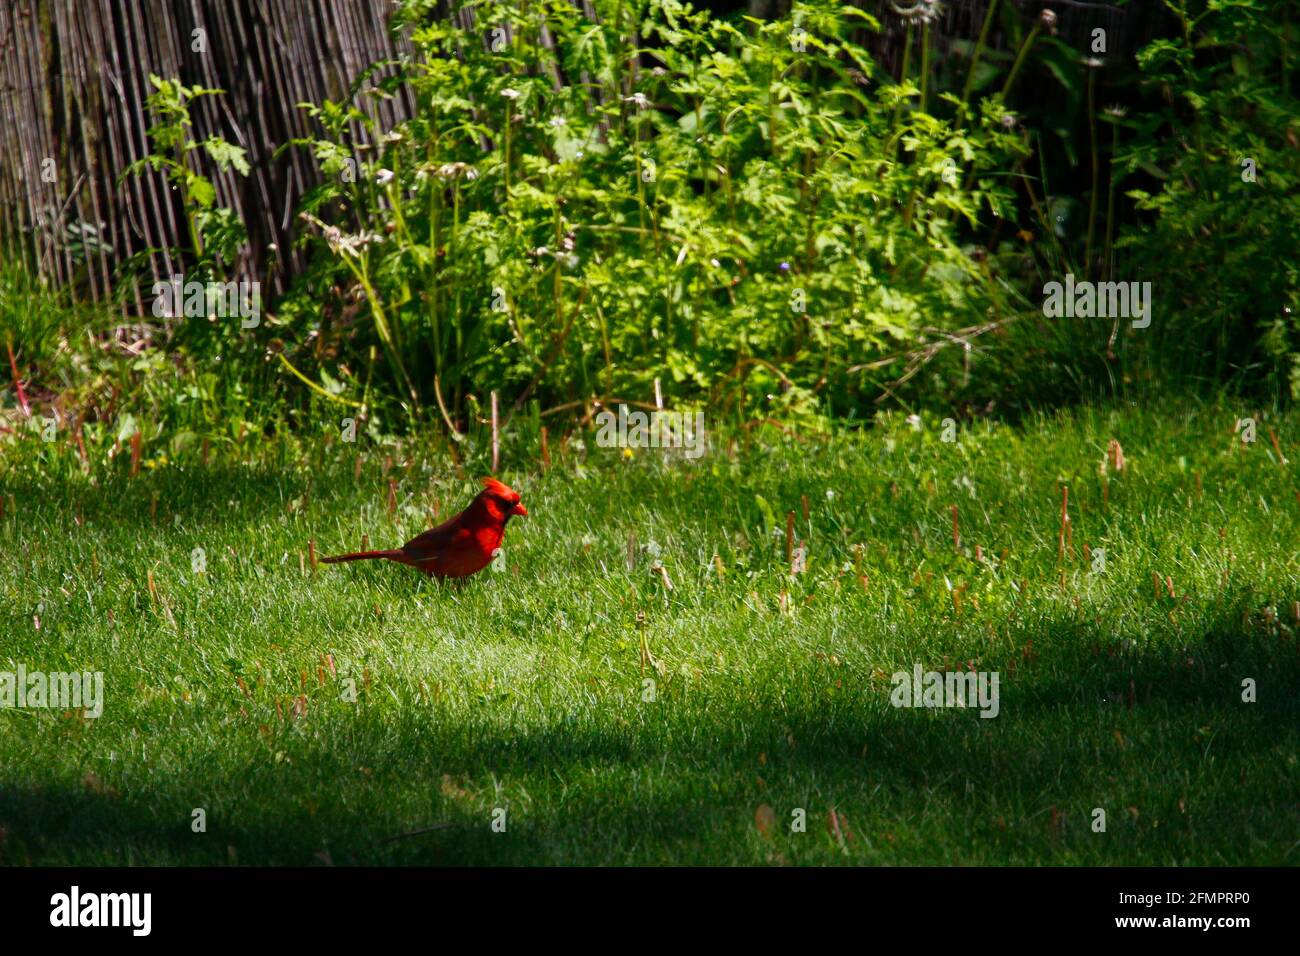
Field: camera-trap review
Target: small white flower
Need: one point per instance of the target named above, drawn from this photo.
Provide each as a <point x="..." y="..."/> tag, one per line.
<point x="559" y="121"/>
<point x="455" y="170"/>
<point x="384" y="177"/>
<point x="510" y="93"/>
<point x="349" y="245"/>
<point x="927" y="11"/>
<point x="914" y="421"/>
<point x="830" y="493"/>
<point x="639" y="99"/>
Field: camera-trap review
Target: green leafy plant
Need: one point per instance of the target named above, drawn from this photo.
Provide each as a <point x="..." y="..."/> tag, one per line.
<point x="1220" y="237"/>
<point x="750" y="211"/>
<point x="215" y="233"/>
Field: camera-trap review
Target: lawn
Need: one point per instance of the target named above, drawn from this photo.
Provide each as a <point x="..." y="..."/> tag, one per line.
<point x="682" y="710"/>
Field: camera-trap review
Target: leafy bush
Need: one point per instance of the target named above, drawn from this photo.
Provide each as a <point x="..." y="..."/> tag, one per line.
<point x="1223" y="252"/>
<point x="746" y="214"/>
<point x="759" y="217"/>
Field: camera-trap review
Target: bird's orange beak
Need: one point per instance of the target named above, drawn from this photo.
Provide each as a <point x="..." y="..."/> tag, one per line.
<point x="519" y="509"/>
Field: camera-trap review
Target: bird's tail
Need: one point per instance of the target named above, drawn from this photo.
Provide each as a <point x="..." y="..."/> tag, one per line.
<point x="362" y="556"/>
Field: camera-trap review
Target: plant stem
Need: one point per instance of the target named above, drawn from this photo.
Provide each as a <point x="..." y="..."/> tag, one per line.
<point x="1108" y="262"/>
<point x="925" y="66"/>
<point x="979" y="51"/>
<point x="902" y="75"/>
<point x="435" y="237"/>
<point x="1020" y="58"/>
<point x="1096" y="170"/>
<point x="506" y="154"/>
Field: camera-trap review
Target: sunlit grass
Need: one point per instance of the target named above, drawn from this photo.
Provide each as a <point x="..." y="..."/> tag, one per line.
<point x="526" y="689"/>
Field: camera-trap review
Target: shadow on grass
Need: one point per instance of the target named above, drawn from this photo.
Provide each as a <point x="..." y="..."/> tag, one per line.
<point x="1187" y="772"/>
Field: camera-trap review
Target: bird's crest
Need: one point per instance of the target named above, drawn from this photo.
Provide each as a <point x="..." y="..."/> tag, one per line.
<point x="500" y="489"/>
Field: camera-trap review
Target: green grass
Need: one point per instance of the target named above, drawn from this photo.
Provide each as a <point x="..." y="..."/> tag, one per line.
<point x="523" y="688"/>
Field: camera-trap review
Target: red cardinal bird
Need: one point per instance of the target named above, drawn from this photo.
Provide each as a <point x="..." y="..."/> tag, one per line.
<point x="461" y="546"/>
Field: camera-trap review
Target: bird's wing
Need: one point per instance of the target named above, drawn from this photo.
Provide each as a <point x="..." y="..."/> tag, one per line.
<point x="451" y="534"/>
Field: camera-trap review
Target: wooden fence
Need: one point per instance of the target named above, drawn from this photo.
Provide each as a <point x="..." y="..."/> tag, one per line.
<point x="73" y="81"/>
<point x="74" y="77"/>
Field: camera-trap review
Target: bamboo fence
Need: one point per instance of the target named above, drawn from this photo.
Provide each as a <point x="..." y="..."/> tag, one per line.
<point x="74" y="77"/>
